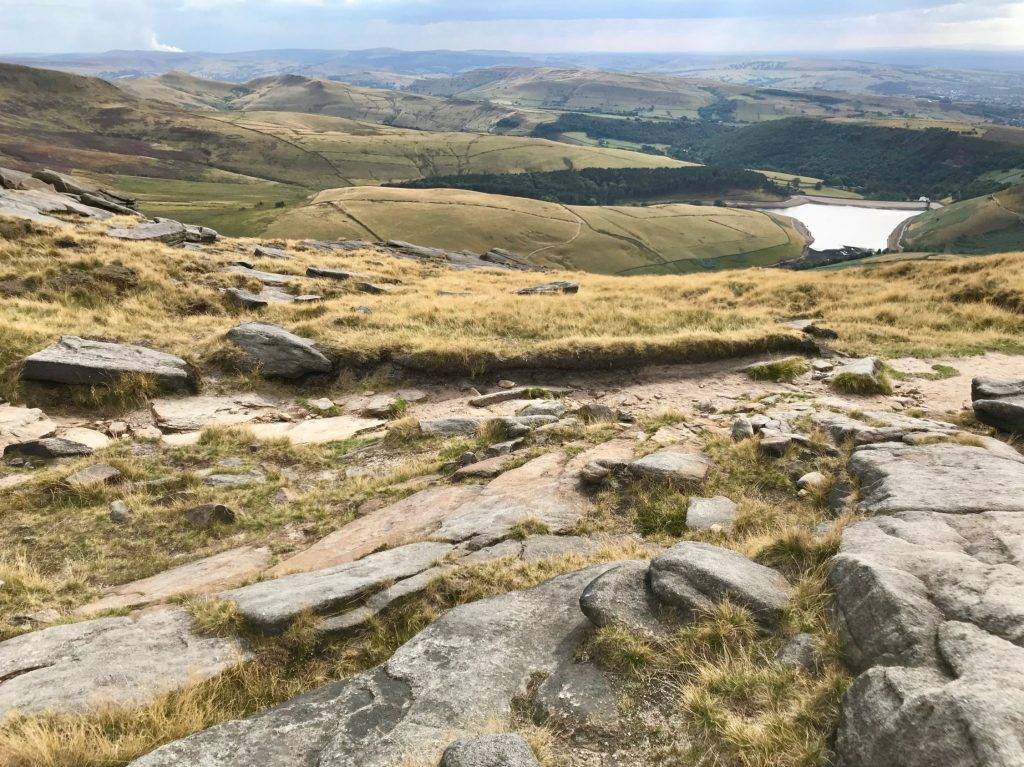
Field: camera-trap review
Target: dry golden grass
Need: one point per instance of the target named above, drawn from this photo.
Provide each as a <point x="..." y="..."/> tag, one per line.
<point x="920" y="309"/>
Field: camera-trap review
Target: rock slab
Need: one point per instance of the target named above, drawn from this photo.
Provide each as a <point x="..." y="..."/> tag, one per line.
<point x="74" y="360"/>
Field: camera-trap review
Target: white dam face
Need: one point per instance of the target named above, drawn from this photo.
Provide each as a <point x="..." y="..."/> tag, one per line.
<point x="834" y="226"/>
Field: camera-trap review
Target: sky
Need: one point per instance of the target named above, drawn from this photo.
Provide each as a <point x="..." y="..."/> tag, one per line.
<point x="62" y="26"/>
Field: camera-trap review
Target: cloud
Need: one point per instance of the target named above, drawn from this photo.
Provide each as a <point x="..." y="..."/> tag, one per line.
<point x="49" y="26"/>
<point x="156" y="45"/>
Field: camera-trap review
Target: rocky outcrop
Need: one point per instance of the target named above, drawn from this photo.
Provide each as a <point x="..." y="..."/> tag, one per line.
<point x="459" y="674"/>
<point x="205" y="576"/>
<point x="413" y="518"/>
<point x="691" y="576"/>
<point x="277" y="353"/>
<point x="622" y="597"/>
<point x="272" y="605"/>
<point x="999" y="402"/>
<point x="928" y="598"/>
<point x="72" y="668"/>
<point x="558" y="287"/>
<point x="674" y="465"/>
<point x="163" y="230"/>
<point x="21" y="424"/>
<point x="74" y="360"/>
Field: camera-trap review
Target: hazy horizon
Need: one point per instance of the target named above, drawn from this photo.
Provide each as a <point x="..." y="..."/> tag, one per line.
<point x="526" y="26"/>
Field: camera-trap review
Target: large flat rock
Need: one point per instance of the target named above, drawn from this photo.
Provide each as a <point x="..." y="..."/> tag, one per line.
<point x="205" y="576"/>
<point x="74" y="360"/>
<point x="22" y="424"/>
<point x="874" y="426"/>
<point x="545" y="490"/>
<point x="184" y="414"/>
<point x="272" y="605"/>
<point x="457" y="676"/>
<point x="406" y="521"/>
<point x="944" y="477"/>
<point x="929" y="602"/>
<point x="108" y="661"/>
<point x="317" y="431"/>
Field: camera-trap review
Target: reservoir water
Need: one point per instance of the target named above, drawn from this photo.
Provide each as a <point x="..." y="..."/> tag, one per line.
<point x="834" y="226"/>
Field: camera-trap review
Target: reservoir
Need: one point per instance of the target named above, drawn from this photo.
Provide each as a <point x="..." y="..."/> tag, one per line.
<point x="834" y="226"/>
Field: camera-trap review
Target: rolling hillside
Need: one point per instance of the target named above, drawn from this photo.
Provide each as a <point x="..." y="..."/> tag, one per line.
<point x="293" y="93"/>
<point x="660" y="239"/>
<point x="990" y="224"/>
<point x="236" y="170"/>
<point x="666" y="96"/>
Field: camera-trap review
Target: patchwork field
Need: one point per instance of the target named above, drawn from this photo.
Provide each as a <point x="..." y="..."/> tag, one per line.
<point x="660" y="239"/>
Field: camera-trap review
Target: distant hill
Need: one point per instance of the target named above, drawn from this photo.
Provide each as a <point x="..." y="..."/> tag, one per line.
<point x="237" y="170"/>
<point x="992" y="77"/>
<point x="658" y="239"/>
<point x="660" y="95"/>
<point x="988" y="224"/>
<point x="294" y="93"/>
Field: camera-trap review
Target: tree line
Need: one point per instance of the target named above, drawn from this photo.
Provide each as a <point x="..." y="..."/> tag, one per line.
<point x="876" y="161"/>
<point x="606" y="186"/>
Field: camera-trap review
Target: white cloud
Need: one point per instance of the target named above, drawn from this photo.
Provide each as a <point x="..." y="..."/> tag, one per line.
<point x="156" y="45"/>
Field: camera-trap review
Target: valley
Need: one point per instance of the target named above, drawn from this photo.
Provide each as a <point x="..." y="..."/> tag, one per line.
<point x="386" y="408"/>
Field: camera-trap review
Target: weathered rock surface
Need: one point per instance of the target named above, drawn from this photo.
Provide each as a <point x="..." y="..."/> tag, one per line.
<point x="706" y="513"/>
<point x="272" y="279"/>
<point x="921" y="717"/>
<point x="318" y="431"/>
<point x="692" y="576"/>
<point x="518" y="392"/>
<point x="929" y="600"/>
<point x="405" y="521"/>
<point x="278" y="353"/>
<point x="21" y="424"/>
<point x="996" y="388"/>
<point x="220" y="571"/>
<point x="162" y="230"/>
<point x="48" y="448"/>
<point x="941" y="477"/>
<point x="578" y="697"/>
<point x="545" y="490"/>
<point x="272" y="605"/>
<point x="450" y="427"/>
<point x="505" y="750"/>
<point x="459" y="673"/>
<point x="550" y="288"/>
<point x="622" y="597"/>
<point x="74" y="667"/>
<point x="866" y="372"/>
<point x="196" y="413"/>
<point x="97" y="474"/>
<point x="1004" y="414"/>
<point x="381" y="601"/>
<point x="74" y="360"/>
<point x="674" y="465"/>
<point x="877" y="426"/>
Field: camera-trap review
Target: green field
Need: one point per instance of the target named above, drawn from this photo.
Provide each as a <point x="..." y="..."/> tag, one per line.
<point x="989" y="224"/>
<point x="659" y="239"/>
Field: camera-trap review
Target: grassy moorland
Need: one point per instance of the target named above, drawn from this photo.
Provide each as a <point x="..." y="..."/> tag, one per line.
<point x="725" y="696"/>
<point x="990" y="224"/>
<point x="57" y="283"/>
<point x="656" y="239"/>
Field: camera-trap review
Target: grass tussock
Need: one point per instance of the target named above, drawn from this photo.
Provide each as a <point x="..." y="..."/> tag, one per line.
<point x="781" y="371"/>
<point x="861" y="385"/>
